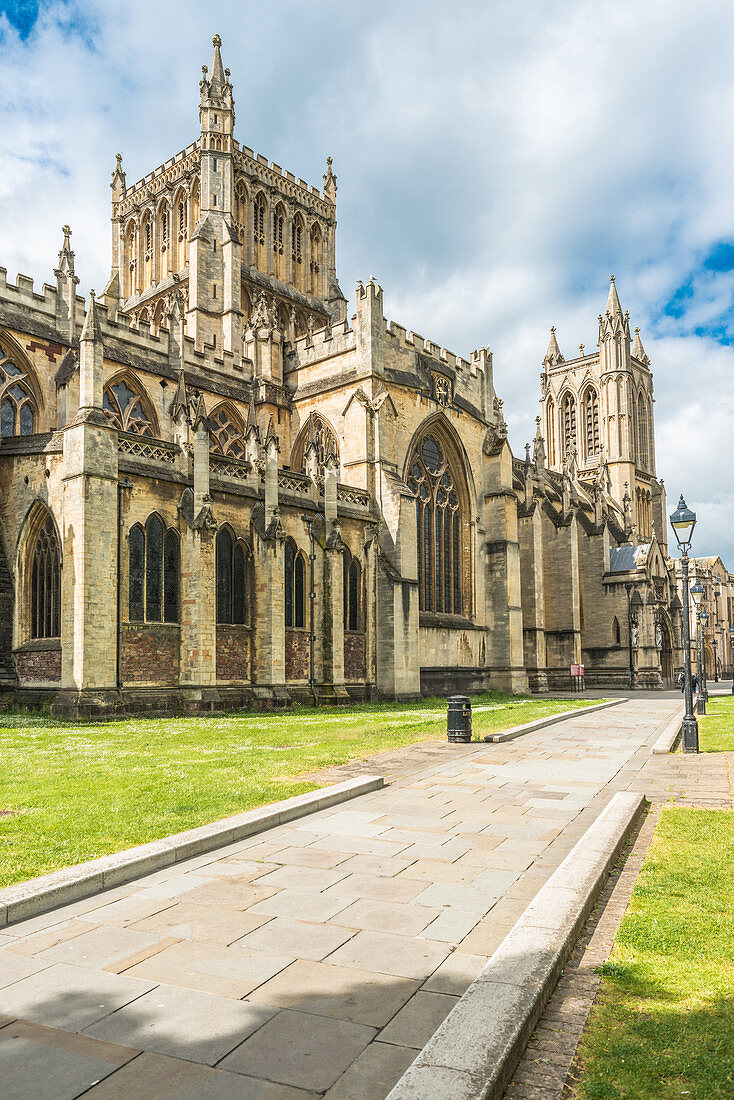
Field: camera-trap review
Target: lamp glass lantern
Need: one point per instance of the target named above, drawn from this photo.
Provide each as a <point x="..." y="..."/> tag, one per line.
<point x="683" y="521"/>
<point x="704" y="617"/>
<point x="696" y="591"/>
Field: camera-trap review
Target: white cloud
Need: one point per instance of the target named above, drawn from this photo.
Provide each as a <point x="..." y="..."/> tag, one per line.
<point x="496" y="161"/>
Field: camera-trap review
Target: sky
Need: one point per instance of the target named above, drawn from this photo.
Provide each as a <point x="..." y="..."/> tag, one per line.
<point x="496" y="163"/>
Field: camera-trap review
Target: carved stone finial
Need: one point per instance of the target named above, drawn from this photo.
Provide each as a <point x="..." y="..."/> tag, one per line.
<point x="216" y="41"/>
<point x="581" y="350"/>
<point x="204" y="70"/>
<point x="611" y="278"/>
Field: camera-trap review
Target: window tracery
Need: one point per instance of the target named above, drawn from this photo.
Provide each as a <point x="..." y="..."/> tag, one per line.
<point x="226" y="433"/>
<point x="568" y="417"/>
<point x="278" y="223"/>
<point x="153" y="572"/>
<point x="18" y="411"/>
<point x="232" y="557"/>
<point x="325" y="438"/>
<point x="258" y="228"/>
<point x="591" y="422"/>
<point x="316" y="260"/>
<point x="642" y="433"/>
<point x="295" y="586"/>
<point x="440" y="528"/>
<point x="45" y="582"/>
<point x="126" y="409"/>
<point x="551" y="431"/>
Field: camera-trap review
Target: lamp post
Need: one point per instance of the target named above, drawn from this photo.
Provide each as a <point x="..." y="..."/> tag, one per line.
<point x="628" y="585"/>
<point x="683" y="521"/>
<point x="697" y="596"/>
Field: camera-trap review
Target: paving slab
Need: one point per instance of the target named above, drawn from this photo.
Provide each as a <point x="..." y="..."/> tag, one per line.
<point x="53" y="1065"/>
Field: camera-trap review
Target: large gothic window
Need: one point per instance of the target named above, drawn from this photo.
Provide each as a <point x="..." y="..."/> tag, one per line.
<point x="295" y="586"/>
<point x="352" y="594"/>
<point x="231" y="578"/>
<point x="317" y="428"/>
<point x="18" y="412"/>
<point x="128" y="410"/>
<point x="154" y="571"/>
<point x="226" y="433"/>
<point x="643" y="438"/>
<point x="590" y="412"/>
<point x="568" y="415"/>
<point x="45" y="576"/>
<point x="440" y="521"/>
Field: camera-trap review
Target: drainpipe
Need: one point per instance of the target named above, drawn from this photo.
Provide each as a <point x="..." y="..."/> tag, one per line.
<point x="121" y="487"/>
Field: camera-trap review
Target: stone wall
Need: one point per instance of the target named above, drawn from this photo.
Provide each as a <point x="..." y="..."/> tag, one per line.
<point x="233" y="652"/>
<point x="39" y="662"/>
<point x="355" y="665"/>
<point x="150" y="653"/>
<point x="297" y="652"/>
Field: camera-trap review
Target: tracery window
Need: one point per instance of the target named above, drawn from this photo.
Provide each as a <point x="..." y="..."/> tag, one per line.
<point x="295" y="586"/>
<point x="568" y="416"/>
<point x="642" y="433"/>
<point x="232" y="599"/>
<point x="297" y="241"/>
<point x="226" y="433"/>
<point x="325" y="439"/>
<point x="258" y="227"/>
<point x="127" y="409"/>
<point x="18" y="413"/>
<point x="590" y="414"/>
<point x="278" y="222"/>
<point x="153" y="572"/>
<point x="351" y="594"/>
<point x="45" y="577"/>
<point x="147" y="252"/>
<point x="440" y="528"/>
<point x="130" y="252"/>
<point x="550" y="431"/>
<point x="240" y="209"/>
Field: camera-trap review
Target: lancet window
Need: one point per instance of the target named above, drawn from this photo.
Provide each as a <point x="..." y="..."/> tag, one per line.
<point x="440" y="520"/>
<point x="258" y="228"/>
<point x="45" y="578"/>
<point x="316" y="260"/>
<point x="550" y="431"/>
<point x="128" y="411"/>
<point x="352" y="592"/>
<point x="319" y="428"/>
<point x="18" y="411"/>
<point x="226" y="433"/>
<point x="232" y="571"/>
<point x="643" y="439"/>
<point x="568" y="416"/>
<point x="591" y="422"/>
<point x="154" y="568"/>
<point x="295" y="586"/>
<point x="296" y="247"/>
<point x="278" y="224"/>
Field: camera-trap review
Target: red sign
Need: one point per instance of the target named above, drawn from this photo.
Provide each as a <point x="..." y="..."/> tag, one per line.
<point x="577" y="670"/>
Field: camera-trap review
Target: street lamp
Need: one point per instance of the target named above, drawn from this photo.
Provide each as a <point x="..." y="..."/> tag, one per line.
<point x="629" y="586"/>
<point x="697" y="596"/>
<point x="683" y="521"/>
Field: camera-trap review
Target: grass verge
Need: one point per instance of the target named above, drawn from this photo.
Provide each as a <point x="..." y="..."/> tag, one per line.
<point x="662" y="1026"/>
<point x="71" y="792"/>
<point x="716" y="726"/>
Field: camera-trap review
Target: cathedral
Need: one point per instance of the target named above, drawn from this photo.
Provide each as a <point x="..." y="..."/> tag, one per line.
<point x="219" y="488"/>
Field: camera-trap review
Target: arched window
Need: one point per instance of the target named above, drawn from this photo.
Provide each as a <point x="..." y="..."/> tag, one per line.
<point x="45" y="578"/>
<point x="295" y="586"/>
<point x="325" y="436"/>
<point x="590" y="413"/>
<point x="153" y="573"/>
<point x="278" y="249"/>
<point x="195" y="202"/>
<point x="147" y="251"/>
<point x="240" y="209"/>
<point x="128" y="408"/>
<point x="232" y="602"/>
<point x="316" y="260"/>
<point x="164" y="227"/>
<point x="643" y="444"/>
<point x="616" y="632"/>
<point x="258" y="228"/>
<point x="179" y="260"/>
<point x="550" y="430"/>
<point x="297" y="251"/>
<point x="568" y="414"/>
<point x="226" y="433"/>
<point x="352" y="593"/>
<point x="441" y="520"/>
<point x="18" y="412"/>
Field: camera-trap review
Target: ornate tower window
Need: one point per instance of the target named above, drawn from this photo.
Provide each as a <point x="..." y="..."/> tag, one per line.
<point x="45" y="578"/>
<point x="441" y="523"/>
<point x="643" y="436"/>
<point x="258" y="229"/>
<point x="568" y="417"/>
<point x="590" y="414"/>
<point x="550" y="430"/>
<point x="147" y="252"/>
<point x="128" y="411"/>
<point x="278" y="222"/>
<point x="226" y="433"/>
<point x="18" y="413"/>
<point x="316" y="260"/>
<point x="232" y="599"/>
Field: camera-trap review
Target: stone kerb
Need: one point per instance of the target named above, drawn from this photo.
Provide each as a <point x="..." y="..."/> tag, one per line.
<point x="473" y="1054"/>
<point x="668" y="739"/>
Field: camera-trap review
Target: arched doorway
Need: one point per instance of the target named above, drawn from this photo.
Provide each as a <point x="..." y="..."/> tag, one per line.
<point x="666" y="655"/>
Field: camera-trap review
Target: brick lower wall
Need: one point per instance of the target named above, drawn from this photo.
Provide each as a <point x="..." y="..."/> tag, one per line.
<point x="39" y="666"/>
<point x="355" y="657"/>
<point x="150" y="653"/>
<point x="297" y="655"/>
<point x="233" y="653"/>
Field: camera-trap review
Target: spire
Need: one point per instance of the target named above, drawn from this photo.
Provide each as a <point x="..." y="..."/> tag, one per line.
<point x="118" y="180"/>
<point x="251" y="417"/>
<point x="217" y="74"/>
<point x="330" y="187"/>
<point x="311" y="441"/>
<point x="66" y="256"/>
<point x="553" y="355"/>
<point x="180" y="401"/>
<point x="91" y="330"/>
<point x="614" y="309"/>
<point x="270" y="437"/>
<point x="200" y="419"/>
<point x="638" y="352"/>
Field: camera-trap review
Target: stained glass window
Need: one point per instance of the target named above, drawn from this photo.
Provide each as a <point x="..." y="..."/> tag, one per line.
<point x="17" y="405"/>
<point x="295" y="586"/>
<point x="153" y="569"/>
<point x="591" y="421"/>
<point x="439" y="528"/>
<point x="351" y="594"/>
<point x="569" y="424"/>
<point x="231" y="579"/>
<point x="136" y="594"/>
<point x="226" y="433"/>
<point x="45" y="610"/>
<point x="170" y="577"/>
<point x="126" y="409"/>
<point x="153" y="573"/>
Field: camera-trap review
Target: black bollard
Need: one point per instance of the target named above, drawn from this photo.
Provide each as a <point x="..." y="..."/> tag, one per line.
<point x="458" y="719"/>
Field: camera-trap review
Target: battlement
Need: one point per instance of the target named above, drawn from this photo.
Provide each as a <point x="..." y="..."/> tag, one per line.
<point x="167" y="173"/>
<point x="255" y="164"/>
<point x="22" y="293"/>
<point x="323" y="342"/>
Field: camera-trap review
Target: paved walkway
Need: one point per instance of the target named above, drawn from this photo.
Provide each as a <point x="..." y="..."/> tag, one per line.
<point x="317" y="958"/>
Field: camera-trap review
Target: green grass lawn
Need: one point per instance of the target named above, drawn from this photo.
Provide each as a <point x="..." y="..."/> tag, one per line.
<point x="663" y="1023"/>
<point x="716" y="726"/>
<point x="77" y="791"/>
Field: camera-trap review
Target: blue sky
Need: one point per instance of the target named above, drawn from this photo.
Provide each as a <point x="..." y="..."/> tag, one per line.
<point x="496" y="163"/>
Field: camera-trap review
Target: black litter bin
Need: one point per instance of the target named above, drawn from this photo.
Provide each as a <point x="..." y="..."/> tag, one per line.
<point x="459" y="718"/>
